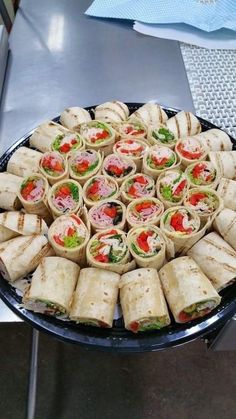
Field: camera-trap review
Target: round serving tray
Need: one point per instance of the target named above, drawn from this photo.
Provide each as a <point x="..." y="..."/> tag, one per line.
<point x="118" y="339"/>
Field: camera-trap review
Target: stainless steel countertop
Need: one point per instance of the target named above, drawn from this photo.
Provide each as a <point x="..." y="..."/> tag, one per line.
<point x="59" y="57"/>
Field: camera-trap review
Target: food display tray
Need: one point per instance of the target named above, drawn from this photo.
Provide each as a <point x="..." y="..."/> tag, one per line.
<point x="118" y="339"/>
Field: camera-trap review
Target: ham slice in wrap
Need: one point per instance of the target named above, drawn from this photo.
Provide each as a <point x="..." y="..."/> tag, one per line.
<point x="84" y="164"/>
<point x="204" y="201"/>
<point x="184" y="124"/>
<point x="15" y="223"/>
<point x="137" y="186"/>
<point x="134" y="149"/>
<point x="24" y="161"/>
<point x="99" y="188"/>
<point x="95" y="297"/>
<point x="215" y="140"/>
<point x="114" y="111"/>
<point x="143" y="211"/>
<point x="65" y="197"/>
<point x="172" y="186"/>
<point x="98" y="136"/>
<point x="69" y="236"/>
<point x="108" y="249"/>
<point x="107" y="214"/>
<point x="54" y="167"/>
<point x="9" y="187"/>
<point x="142" y="300"/>
<point x="72" y="118"/>
<point x="159" y="159"/>
<point x="188" y="291"/>
<point x="225" y="225"/>
<point x="202" y="173"/>
<point x="227" y="191"/>
<point x="225" y="162"/>
<point x="190" y="150"/>
<point x="150" y="114"/>
<point x="52" y="287"/>
<point x="21" y="255"/>
<point x="216" y="258"/>
<point x="45" y="134"/>
<point x="118" y="167"/>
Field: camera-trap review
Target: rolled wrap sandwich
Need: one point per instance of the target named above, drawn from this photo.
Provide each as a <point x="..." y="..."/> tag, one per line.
<point x="118" y="167"/>
<point x="188" y="291"/>
<point x="72" y="118"/>
<point x="21" y="255"/>
<point x="227" y="191"/>
<point x="215" y="140"/>
<point x="143" y="211"/>
<point x="216" y="258"/>
<point x="52" y="287"/>
<point x="150" y="114"/>
<point x="159" y="159"/>
<point x="142" y="300"/>
<point x="137" y="186"/>
<point x="161" y="135"/>
<point x="107" y="214"/>
<point x="109" y="250"/>
<point x="45" y="134"/>
<point x="53" y="166"/>
<point x="95" y="297"/>
<point x="202" y="173"/>
<point x="68" y="143"/>
<point x="147" y="246"/>
<point x="99" y="188"/>
<point x="225" y="162"/>
<point x="114" y="111"/>
<point x="24" y="161"/>
<point x="69" y="236"/>
<point x="190" y="150"/>
<point x="65" y="197"/>
<point x="131" y="129"/>
<point x="84" y="164"/>
<point x="225" y="225"/>
<point x="172" y="187"/>
<point x="9" y="187"/>
<point x="184" y="124"/>
<point x="132" y="149"/>
<point x="33" y="194"/>
<point x="98" y="136"/>
<point x="15" y="223"/>
<point x="204" y="201"/>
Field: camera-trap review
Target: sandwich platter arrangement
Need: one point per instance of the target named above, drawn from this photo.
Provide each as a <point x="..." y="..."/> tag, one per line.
<point x="118" y="227"/>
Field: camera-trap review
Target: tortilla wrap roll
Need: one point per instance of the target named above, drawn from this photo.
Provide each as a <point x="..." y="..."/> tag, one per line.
<point x="108" y="249"/>
<point x="159" y="159"/>
<point x="183" y="227"/>
<point x="21" y="255"/>
<point x="172" y="187"/>
<point x="9" y="187"/>
<point x="118" y="167"/>
<point x="204" y="201"/>
<point x="107" y="214"/>
<point x="147" y="246"/>
<point x="216" y="258"/>
<point x="215" y="140"/>
<point x="137" y="186"/>
<point x="15" y="223"/>
<point x="99" y="188"/>
<point x="24" y="161"/>
<point x="202" y="173"/>
<point x="143" y="211"/>
<point x="52" y="287"/>
<point x="161" y="135"/>
<point x="45" y="134"/>
<point x="190" y="150"/>
<point x="95" y="297"/>
<point x="114" y="111"/>
<point x="225" y="225"/>
<point x="189" y="293"/>
<point x="54" y="167"/>
<point x="184" y="124"/>
<point x="150" y="114"/>
<point x="98" y="136"/>
<point x="142" y="301"/>
<point x="227" y="191"/>
<point x="72" y="118"/>
<point x="69" y="236"/>
<point x="33" y="193"/>
<point x="65" y="197"/>
<point x="131" y="129"/>
<point x="133" y="149"/>
<point x="225" y="162"/>
<point x="84" y="164"/>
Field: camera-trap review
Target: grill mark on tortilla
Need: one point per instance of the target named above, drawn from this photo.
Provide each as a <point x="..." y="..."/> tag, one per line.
<point x="38" y="224"/>
<point x="43" y="252"/>
<point x="189" y="124"/>
<point x="161" y="116"/>
<point x="177" y="126"/>
<point x="43" y="273"/>
<point x="20" y="221"/>
<point x="121" y="107"/>
<point x="220" y="247"/>
<point x="4" y="216"/>
<point x="225" y="183"/>
<point x="112" y="111"/>
<point x="226" y="266"/>
<point x="21" y="249"/>
<point x="229" y="227"/>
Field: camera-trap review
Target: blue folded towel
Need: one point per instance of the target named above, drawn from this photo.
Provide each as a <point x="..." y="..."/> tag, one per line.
<point x="208" y="15"/>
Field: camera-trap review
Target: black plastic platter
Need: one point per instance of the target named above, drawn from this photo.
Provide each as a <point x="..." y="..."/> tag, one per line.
<point x="118" y="339"/>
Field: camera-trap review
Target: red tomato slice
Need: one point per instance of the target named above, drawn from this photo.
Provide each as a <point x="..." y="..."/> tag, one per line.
<point x="141" y="179"/>
<point x="188" y="154"/>
<point x="71" y="231"/>
<point x="102" y="258"/>
<point x="115" y="170"/>
<point x="111" y="232"/>
<point x="25" y="192"/>
<point x="184" y="317"/>
<point x="58" y="240"/>
<point x="142" y="240"/>
<point x="63" y="191"/>
<point x="143" y="205"/>
<point x="65" y="148"/>
<point x="198" y="169"/>
<point x="180" y="188"/>
<point x="110" y="211"/>
<point x="134" y="326"/>
<point x="93" y="189"/>
<point x="76" y="218"/>
<point x="83" y="166"/>
<point x="160" y="162"/>
<point x="132" y="191"/>
<point x="196" y="197"/>
<point x="177" y="223"/>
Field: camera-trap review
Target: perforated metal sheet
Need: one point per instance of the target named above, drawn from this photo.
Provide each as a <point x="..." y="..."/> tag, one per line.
<point x="212" y="79"/>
